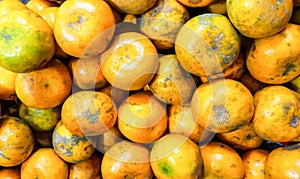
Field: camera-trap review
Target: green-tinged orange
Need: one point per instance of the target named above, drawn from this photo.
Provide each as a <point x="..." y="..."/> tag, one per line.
<point x="16" y="141"/>
<point x="207" y="44"/>
<point x="26" y="41"/>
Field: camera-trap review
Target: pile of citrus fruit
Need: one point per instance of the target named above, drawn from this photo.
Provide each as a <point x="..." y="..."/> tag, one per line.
<point x="166" y="89"/>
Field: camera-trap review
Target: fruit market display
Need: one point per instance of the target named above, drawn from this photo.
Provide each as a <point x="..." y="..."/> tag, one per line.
<point x="149" y="89"/>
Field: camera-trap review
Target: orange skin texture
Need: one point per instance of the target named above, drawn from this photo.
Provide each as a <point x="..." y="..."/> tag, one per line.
<point x="130" y="62"/>
<point x="276" y="113"/>
<point x="181" y="121"/>
<point x="126" y="160"/>
<point x="86" y="73"/>
<point x="142" y="118"/>
<point x="7" y="84"/>
<point x="196" y="3"/>
<point x="132" y="6"/>
<point x="10" y="173"/>
<point x="65" y="147"/>
<point x="80" y="28"/>
<point x="176" y="156"/>
<point x="16" y="141"/>
<point x="89" y="168"/>
<point x="88" y="112"/>
<point x="281" y="54"/>
<point x="116" y="94"/>
<point x="242" y="139"/>
<point x="283" y="162"/>
<point x="28" y="44"/>
<point x="207" y="44"/>
<point x="268" y="18"/>
<point x="9" y="5"/>
<point x="254" y="162"/>
<point x="44" y="88"/>
<point x="225" y="108"/>
<point x="44" y="163"/>
<point x="221" y="161"/>
<point x="162" y="22"/>
<point x="172" y="84"/>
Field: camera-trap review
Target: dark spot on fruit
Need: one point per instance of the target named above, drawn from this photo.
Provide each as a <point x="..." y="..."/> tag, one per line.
<point x="288" y="68"/>
<point x="165" y="169"/>
<point x="46" y="85"/>
<point x="248" y="137"/>
<point x="70" y="25"/>
<point x="294" y="121"/>
<point x="221" y="113"/>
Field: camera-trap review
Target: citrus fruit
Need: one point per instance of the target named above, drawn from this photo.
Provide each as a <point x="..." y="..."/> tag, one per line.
<point x="142" y="118"/>
<point x="275" y="59"/>
<point x="38" y="6"/>
<point x="221" y="161"/>
<point x="132" y="6"/>
<point x="207" y="44"/>
<point x="44" y="163"/>
<point x="283" y="162"/>
<point x="254" y="162"/>
<point x="276" y="114"/>
<point x="10" y="5"/>
<point x="162" y="22"/>
<point x="88" y="112"/>
<point x="70" y="147"/>
<point x="40" y="120"/>
<point x="130" y="62"/>
<point x="257" y="19"/>
<point x="26" y="41"/>
<point x="171" y="83"/>
<point x="176" y="156"/>
<point x="222" y="105"/>
<point x="196" y="3"/>
<point x="82" y="25"/>
<point x="126" y="159"/>
<point x="7" y="84"/>
<point x="10" y="173"/>
<point x="16" y="141"/>
<point x="44" y="88"/>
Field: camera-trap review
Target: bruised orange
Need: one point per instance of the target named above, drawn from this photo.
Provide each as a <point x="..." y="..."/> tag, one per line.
<point x="44" y="88"/>
<point x="82" y="25"/>
<point x="89" y="112"/>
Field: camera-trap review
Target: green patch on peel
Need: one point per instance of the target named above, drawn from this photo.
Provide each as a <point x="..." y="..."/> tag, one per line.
<point x="166" y="169"/>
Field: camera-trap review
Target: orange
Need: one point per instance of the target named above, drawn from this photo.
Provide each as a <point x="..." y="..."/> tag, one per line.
<point x="70" y="147"/>
<point x="7" y="84"/>
<point x="222" y="105"/>
<point x="181" y="121"/>
<point x="40" y="120"/>
<point x="126" y="160"/>
<point x="254" y="162"/>
<point x="116" y="94"/>
<point x="257" y="19"/>
<point x="176" y="156"/>
<point x="221" y="161"/>
<point x="132" y="6"/>
<point x="88" y="112"/>
<point x="27" y="41"/>
<point x="16" y="141"/>
<point x="217" y="7"/>
<point x="196" y="3"/>
<point x="283" y="162"/>
<point x="89" y="168"/>
<point x="242" y="139"/>
<point x="39" y="5"/>
<point x="44" y="163"/>
<point x="130" y="62"/>
<point x="277" y="113"/>
<point x="9" y="5"/>
<point x="82" y="25"/>
<point x="162" y="22"/>
<point x="172" y="84"/>
<point x="10" y="173"/>
<point x="280" y="53"/>
<point x="207" y="44"/>
<point x="44" y="88"/>
<point x="109" y="138"/>
<point x="142" y="117"/>
<point x="86" y="73"/>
